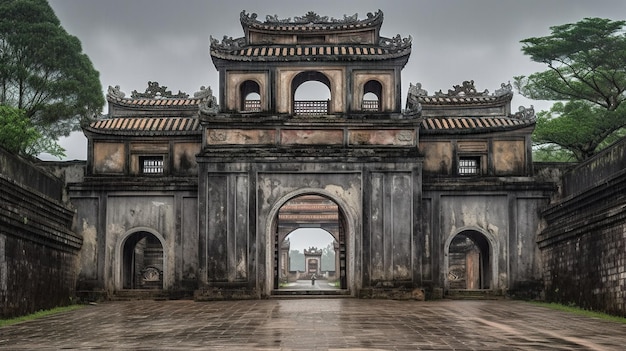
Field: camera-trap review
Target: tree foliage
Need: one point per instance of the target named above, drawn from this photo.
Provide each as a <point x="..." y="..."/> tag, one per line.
<point x="19" y="136"/>
<point x="43" y="70"/>
<point x="578" y="127"/>
<point x="586" y="69"/>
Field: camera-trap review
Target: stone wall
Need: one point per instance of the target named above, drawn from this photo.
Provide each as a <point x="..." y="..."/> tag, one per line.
<point x="38" y="251"/>
<point x="584" y="242"/>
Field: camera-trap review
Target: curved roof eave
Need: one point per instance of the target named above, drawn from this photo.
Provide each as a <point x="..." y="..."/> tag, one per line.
<point x="472" y="125"/>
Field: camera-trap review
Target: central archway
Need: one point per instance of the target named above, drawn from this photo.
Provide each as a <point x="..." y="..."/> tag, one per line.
<point x="311" y="210"/>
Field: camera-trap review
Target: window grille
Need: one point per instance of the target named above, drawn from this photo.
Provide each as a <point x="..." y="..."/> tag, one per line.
<point x="311" y="107"/>
<point x="151" y="165"/>
<point x="252" y="105"/>
<point x="370" y="105"/>
<point x="469" y="166"/>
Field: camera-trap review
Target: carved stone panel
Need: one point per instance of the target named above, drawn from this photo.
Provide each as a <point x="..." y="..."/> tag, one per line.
<point x="240" y="136"/>
<point x="396" y="137"/>
<point x="311" y="137"/>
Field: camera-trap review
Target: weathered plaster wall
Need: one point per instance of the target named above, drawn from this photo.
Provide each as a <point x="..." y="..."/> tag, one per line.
<point x="385" y="78"/>
<point x="129" y="214"/>
<point x="509" y="221"/>
<point x="498" y="156"/>
<point x="242" y="201"/>
<point x="284" y="81"/>
<point x="106" y="218"/>
<point x="233" y="82"/>
<point x="108" y="158"/>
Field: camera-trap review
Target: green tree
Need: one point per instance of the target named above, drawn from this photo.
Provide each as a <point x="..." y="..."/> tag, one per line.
<point x="43" y="70"/>
<point x="18" y="135"/>
<point x="586" y="70"/>
<point x="576" y="130"/>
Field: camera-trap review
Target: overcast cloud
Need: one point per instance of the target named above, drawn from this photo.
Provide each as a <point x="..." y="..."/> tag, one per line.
<point x="131" y="42"/>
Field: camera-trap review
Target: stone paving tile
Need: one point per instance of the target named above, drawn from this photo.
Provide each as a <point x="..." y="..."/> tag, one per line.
<point x="315" y="324"/>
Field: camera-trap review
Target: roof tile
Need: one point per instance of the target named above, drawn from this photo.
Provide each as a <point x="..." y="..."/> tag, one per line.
<point x="450" y="124"/>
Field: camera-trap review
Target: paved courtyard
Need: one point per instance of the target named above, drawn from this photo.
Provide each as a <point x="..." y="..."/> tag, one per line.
<point x="315" y="324"/>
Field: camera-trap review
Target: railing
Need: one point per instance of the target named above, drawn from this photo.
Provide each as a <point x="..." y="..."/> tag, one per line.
<point x="311" y="107"/>
<point x="252" y="106"/>
<point x="370" y="106"/>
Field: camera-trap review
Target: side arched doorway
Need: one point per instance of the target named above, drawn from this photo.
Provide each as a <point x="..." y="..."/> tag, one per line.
<point x="318" y="216"/>
<point x="470" y="261"/>
<point x="142" y="261"/>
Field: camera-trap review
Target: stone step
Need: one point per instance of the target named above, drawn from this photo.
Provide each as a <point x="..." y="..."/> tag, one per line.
<point x="148" y="294"/>
<point x="471" y="294"/>
<point x="309" y="292"/>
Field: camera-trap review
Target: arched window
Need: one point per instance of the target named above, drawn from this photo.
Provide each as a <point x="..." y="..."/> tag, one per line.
<point x="372" y="96"/>
<point x="311" y="93"/>
<point x="250" y="93"/>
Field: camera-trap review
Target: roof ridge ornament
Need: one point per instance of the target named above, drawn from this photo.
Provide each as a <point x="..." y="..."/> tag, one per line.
<point x="228" y="43"/>
<point x="203" y="93"/>
<point x="525" y="113"/>
<point x="310" y="17"/>
<point x="154" y="90"/>
<point x="395" y="42"/>
<point x="504" y="89"/>
<point x="116" y="92"/>
<point x="412" y="101"/>
<point x="208" y="105"/>
<point x="465" y="89"/>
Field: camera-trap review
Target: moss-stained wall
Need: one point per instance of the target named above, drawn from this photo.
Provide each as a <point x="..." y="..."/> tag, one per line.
<point x="583" y="246"/>
<point x="38" y="251"/>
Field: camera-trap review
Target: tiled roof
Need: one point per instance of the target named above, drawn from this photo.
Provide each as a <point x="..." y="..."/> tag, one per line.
<point x="156" y="102"/>
<point x="146" y="125"/>
<point x="311" y="22"/>
<point x="312" y="52"/>
<point x="472" y="124"/>
<point x="451" y="100"/>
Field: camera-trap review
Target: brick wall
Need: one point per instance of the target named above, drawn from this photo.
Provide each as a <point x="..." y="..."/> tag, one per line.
<point x="584" y="242"/>
<point x="38" y="251"/>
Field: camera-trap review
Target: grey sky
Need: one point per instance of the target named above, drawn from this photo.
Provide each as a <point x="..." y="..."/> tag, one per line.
<point x="131" y="42"/>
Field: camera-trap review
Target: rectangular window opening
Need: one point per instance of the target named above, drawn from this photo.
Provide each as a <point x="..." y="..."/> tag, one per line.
<point x="151" y="165"/>
<point x="469" y="166"/>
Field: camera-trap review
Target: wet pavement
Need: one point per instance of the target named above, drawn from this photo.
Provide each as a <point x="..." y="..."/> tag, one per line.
<point x="315" y="324"/>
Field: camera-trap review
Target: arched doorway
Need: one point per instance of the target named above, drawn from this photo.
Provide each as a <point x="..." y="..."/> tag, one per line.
<point x="470" y="262"/>
<point x="142" y="262"/>
<point x="310" y="92"/>
<point x="307" y="222"/>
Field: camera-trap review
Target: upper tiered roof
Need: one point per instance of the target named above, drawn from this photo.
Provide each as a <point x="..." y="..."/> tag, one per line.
<point x="155" y="98"/>
<point x="465" y="110"/>
<point x="311" y="38"/>
<point x="154" y="112"/>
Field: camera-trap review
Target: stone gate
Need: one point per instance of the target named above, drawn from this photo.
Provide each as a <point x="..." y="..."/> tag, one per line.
<point x="184" y="193"/>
